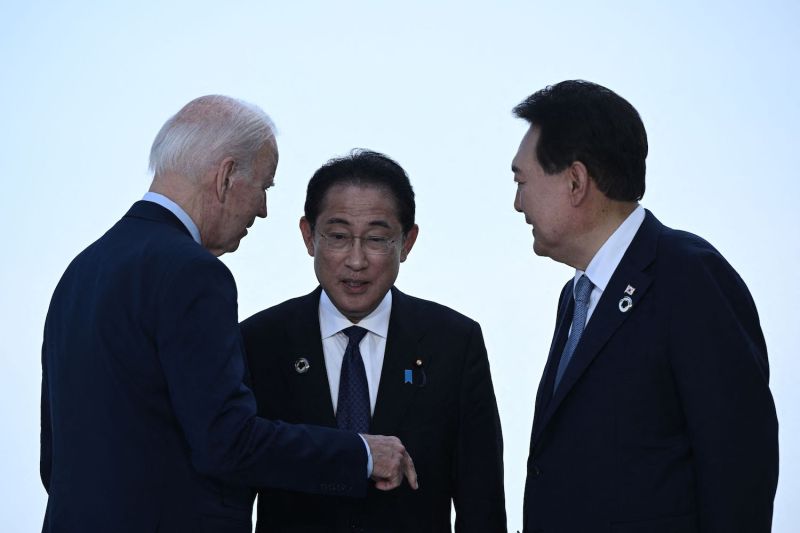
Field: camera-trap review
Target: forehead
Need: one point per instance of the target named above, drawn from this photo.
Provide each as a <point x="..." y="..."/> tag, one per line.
<point x="266" y="162"/>
<point x="346" y="200"/>
<point x="526" y="154"/>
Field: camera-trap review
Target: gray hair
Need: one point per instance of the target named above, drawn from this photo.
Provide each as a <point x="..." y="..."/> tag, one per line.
<point x="206" y="131"/>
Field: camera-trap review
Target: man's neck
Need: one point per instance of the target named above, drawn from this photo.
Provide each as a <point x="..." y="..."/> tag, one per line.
<point x="604" y="222"/>
<point x="184" y="193"/>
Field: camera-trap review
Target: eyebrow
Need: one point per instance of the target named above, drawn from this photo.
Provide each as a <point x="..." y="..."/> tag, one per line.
<point x="379" y="223"/>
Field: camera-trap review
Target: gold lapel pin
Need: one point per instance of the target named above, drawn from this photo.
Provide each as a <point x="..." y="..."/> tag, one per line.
<point x="421" y="378"/>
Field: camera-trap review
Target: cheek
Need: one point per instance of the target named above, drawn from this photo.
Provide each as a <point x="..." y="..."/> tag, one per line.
<point x="526" y="201"/>
<point x="252" y="208"/>
<point x="325" y="267"/>
<point x="389" y="267"/>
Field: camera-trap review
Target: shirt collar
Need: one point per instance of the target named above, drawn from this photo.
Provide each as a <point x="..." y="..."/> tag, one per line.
<point x="332" y="321"/>
<point x="608" y="257"/>
<point x="176" y="210"/>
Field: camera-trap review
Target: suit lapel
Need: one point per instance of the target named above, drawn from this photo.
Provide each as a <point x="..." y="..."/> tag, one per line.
<point x="402" y="353"/>
<point x="607" y="316"/>
<point x="311" y="389"/>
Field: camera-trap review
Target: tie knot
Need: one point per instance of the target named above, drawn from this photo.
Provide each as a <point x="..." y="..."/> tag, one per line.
<point x="583" y="289"/>
<point x="355" y="334"/>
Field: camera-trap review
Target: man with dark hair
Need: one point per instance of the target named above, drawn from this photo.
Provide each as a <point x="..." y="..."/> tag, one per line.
<point x="146" y="424"/>
<point x="358" y="353"/>
<point x="654" y="412"/>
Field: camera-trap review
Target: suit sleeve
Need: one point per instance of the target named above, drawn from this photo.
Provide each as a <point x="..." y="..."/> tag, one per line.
<point x="479" y="496"/>
<point x="200" y="350"/>
<point x="719" y="360"/>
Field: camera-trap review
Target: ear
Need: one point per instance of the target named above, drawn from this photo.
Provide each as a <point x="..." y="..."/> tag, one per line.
<point x="308" y="235"/>
<point x="578" y="182"/>
<point x="222" y="178"/>
<point x="408" y="242"/>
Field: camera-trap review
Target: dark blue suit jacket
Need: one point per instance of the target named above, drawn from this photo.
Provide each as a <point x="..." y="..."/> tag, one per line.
<point x="663" y="421"/>
<point x="446" y="417"/>
<point x="146" y="425"/>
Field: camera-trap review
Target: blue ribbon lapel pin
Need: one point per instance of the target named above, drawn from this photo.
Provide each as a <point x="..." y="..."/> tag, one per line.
<point x="415" y="375"/>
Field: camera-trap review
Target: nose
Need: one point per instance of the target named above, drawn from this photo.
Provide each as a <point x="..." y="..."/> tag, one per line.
<point x="518" y="200"/>
<point x="356" y="258"/>
<point x="262" y="211"/>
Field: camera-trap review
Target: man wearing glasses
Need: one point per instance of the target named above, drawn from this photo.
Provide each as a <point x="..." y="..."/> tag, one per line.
<point x="359" y="354"/>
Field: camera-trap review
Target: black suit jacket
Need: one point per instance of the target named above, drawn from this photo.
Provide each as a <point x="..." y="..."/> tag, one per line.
<point x="447" y="418"/>
<point x="663" y="421"/>
<point x="146" y="425"/>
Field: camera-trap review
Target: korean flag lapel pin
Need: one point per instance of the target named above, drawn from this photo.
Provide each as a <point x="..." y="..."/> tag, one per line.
<point x="626" y="302"/>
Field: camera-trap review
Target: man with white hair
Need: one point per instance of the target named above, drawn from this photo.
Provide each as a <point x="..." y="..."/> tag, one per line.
<point x="146" y="425"/>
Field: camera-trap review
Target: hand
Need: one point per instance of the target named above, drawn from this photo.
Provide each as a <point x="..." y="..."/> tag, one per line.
<point x="390" y="462"/>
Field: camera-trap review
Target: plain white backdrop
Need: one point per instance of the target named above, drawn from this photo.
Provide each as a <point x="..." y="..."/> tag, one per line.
<point x="86" y="86"/>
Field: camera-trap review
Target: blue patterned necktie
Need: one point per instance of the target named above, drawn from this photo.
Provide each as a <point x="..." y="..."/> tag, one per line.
<point x="352" y="409"/>
<point x="582" y="291"/>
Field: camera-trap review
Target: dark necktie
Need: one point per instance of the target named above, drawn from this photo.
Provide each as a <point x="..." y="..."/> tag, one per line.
<point x="352" y="409"/>
<point x="582" y="291"/>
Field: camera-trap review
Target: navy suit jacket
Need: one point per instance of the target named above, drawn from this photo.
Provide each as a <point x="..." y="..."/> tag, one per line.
<point x="446" y="417"/>
<point x="663" y="421"/>
<point x="146" y="425"/>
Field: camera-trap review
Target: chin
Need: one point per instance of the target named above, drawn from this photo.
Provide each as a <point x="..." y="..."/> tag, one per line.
<point x="353" y="309"/>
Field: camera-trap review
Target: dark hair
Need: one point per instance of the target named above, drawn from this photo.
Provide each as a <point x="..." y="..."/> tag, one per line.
<point x="362" y="168"/>
<point x="582" y="121"/>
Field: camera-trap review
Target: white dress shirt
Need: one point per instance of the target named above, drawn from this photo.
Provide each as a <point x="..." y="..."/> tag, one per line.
<point x="372" y="346"/>
<point x="176" y="210"/>
<point x="608" y="257"/>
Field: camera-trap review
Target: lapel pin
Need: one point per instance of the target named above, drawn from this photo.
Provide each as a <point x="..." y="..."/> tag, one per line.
<point x="420" y="380"/>
<point x="625" y="304"/>
<point x="630" y="290"/>
<point x="302" y="365"/>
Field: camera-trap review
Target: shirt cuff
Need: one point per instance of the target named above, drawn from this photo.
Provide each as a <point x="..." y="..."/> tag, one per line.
<point x="369" y="456"/>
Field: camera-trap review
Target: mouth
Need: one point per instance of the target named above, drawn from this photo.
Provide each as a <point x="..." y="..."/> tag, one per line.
<point x="354" y="286"/>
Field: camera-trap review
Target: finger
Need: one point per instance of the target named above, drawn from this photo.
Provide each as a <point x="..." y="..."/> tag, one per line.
<point x="387" y="483"/>
<point x="410" y="472"/>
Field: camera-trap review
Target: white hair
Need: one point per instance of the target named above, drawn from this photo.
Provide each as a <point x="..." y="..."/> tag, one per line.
<point x="206" y="131"/>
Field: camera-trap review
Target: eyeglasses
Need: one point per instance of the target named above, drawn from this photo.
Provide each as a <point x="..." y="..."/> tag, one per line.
<point x="371" y="244"/>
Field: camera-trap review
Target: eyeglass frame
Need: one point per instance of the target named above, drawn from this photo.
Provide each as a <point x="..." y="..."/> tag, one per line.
<point x="350" y="242"/>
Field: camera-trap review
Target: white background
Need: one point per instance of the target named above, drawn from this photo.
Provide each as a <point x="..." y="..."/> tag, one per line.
<point x="86" y="86"/>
